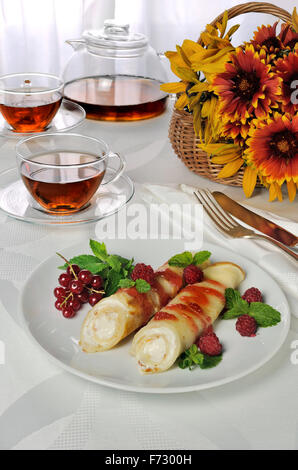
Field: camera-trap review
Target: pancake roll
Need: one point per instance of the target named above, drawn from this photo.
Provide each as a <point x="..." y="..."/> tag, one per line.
<point x="178" y="325"/>
<point x="115" y="317"/>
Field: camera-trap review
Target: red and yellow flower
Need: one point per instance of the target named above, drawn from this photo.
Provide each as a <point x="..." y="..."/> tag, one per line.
<point x="288" y="37"/>
<point x="265" y="37"/>
<point x="247" y="87"/>
<point x="244" y="102"/>
<point x="287" y="70"/>
<point x="272" y="152"/>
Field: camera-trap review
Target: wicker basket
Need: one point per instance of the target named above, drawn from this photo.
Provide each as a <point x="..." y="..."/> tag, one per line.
<point x="181" y="131"/>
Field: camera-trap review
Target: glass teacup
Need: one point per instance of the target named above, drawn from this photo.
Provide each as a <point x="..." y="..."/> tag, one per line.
<point x="29" y="101"/>
<point x="63" y="171"/>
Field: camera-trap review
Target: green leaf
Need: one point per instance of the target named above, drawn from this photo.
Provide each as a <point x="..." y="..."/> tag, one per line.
<point x="232" y="297"/>
<point x="126" y="283"/>
<point x="181" y="260"/>
<point x="142" y="286"/>
<point x="127" y="268"/>
<point x="99" y="250"/>
<point x="112" y="283"/>
<point x="210" y="361"/>
<point x="200" y="257"/>
<point x="112" y="268"/>
<point x="89" y="262"/>
<point x="236" y="306"/>
<point x="264" y="314"/>
<point x="192" y="357"/>
<point x="125" y="262"/>
<point x="114" y="262"/>
<point x="184" y="363"/>
<point x="235" y="312"/>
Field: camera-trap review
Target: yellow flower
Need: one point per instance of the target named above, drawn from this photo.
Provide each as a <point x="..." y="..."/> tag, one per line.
<point x="211" y="57"/>
<point x="249" y="180"/>
<point x="295" y="20"/>
<point x="192" y="58"/>
<point x="211" y="61"/>
<point x="227" y="154"/>
<point x="181" y="66"/>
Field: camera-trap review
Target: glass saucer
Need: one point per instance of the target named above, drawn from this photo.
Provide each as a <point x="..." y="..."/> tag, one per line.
<point x="16" y="202"/>
<point x="69" y="116"/>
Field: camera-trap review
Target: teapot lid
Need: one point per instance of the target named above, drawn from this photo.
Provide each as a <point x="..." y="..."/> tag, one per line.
<point x="115" y="35"/>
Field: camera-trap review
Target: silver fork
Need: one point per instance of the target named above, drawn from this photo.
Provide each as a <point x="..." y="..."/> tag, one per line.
<point x="228" y="225"/>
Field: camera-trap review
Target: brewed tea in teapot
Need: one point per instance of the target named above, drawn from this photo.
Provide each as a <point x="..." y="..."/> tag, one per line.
<point x="115" y="75"/>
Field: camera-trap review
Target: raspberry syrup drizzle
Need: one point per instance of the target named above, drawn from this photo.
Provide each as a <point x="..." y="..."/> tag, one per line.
<point x="215" y="283"/>
<point x="164" y="316"/>
<point x="186" y="312"/>
<point x="191" y="305"/>
<point x="201" y="292"/>
<point x="173" y="278"/>
<point x="143" y="300"/>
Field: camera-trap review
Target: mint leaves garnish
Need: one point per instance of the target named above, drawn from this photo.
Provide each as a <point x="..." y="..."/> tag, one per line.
<point x="200" y="257"/>
<point x="141" y="285"/>
<point x="264" y="314"/>
<point x="192" y="358"/>
<point x="112" y="268"/>
<point x="99" y="249"/>
<point x="182" y="260"/>
<point x="186" y="258"/>
<point x="90" y="262"/>
<point x="236" y="306"/>
<point x="126" y="283"/>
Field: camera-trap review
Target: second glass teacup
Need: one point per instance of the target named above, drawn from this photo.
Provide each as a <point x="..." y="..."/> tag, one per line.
<point x="29" y="101"/>
<point x="63" y="171"/>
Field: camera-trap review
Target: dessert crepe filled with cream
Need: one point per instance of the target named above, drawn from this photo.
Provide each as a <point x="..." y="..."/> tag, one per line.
<point x="115" y="317"/>
<point x="177" y="325"/>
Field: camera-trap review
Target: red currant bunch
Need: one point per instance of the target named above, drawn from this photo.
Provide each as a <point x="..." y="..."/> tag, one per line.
<point x="77" y="287"/>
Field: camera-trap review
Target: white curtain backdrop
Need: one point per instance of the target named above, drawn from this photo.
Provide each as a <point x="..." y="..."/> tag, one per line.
<point x="33" y="32"/>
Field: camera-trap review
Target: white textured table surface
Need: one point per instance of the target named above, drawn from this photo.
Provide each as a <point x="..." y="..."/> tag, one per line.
<point x="43" y="407"/>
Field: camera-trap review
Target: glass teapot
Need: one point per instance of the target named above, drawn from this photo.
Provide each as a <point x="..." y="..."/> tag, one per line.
<point x="115" y="74"/>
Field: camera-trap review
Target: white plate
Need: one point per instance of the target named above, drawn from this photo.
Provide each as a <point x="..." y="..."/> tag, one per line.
<point x="16" y="201"/>
<point x="69" y="116"/>
<point x="58" y="336"/>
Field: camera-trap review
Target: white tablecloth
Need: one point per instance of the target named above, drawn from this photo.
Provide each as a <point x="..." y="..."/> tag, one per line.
<point x="43" y="407"/>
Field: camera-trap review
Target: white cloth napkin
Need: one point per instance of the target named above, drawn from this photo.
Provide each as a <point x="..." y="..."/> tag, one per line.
<point x="279" y="265"/>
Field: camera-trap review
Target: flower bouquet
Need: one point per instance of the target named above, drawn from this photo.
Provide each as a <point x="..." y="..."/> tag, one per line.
<point x="243" y="102"/>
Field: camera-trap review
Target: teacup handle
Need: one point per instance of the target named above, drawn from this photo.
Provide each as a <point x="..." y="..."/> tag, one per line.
<point x="119" y="171"/>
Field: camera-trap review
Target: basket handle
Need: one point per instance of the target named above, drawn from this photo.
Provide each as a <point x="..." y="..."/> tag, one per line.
<point x="254" y="7"/>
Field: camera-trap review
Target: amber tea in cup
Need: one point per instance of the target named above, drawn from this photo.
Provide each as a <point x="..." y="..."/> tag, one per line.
<point x="63" y="172"/>
<point x="30" y="101"/>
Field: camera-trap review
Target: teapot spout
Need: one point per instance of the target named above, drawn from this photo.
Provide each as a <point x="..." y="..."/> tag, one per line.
<point x="76" y="43"/>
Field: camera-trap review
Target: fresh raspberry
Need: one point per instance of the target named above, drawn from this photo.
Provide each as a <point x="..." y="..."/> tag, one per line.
<point x="143" y="271"/>
<point x="252" y="295"/>
<point x="192" y="274"/>
<point x="208" y="331"/>
<point x="209" y="344"/>
<point x="246" y="325"/>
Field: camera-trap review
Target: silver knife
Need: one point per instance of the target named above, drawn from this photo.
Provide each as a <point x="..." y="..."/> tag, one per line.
<point x="255" y="220"/>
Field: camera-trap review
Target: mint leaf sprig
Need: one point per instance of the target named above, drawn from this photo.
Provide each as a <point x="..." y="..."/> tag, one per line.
<point x="186" y="258"/>
<point x="112" y="268"/>
<point x="192" y="358"/>
<point x="264" y="314"/>
<point x="141" y="285"/>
